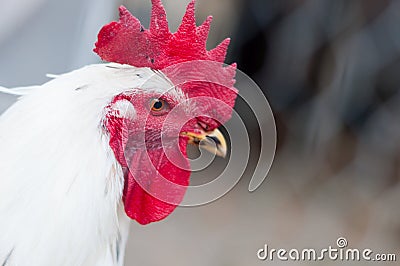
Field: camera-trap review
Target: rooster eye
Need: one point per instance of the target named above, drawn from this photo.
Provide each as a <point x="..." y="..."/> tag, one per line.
<point x="158" y="105"/>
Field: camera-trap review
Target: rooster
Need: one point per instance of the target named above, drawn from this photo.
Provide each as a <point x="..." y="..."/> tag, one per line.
<point x="87" y="152"/>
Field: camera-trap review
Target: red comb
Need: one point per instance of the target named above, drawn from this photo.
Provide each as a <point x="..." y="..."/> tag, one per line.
<point x="128" y="42"/>
<point x="184" y="59"/>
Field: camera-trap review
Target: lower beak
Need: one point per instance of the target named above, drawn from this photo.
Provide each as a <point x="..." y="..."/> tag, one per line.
<point x="213" y="141"/>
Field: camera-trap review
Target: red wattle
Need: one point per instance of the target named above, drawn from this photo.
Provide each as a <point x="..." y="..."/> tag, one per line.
<point x="148" y="196"/>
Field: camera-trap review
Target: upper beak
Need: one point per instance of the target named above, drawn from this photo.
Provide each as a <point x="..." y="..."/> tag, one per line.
<point x="213" y="141"/>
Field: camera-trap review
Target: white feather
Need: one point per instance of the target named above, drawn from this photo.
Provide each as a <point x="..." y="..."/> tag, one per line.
<point x="60" y="184"/>
<point x="52" y="76"/>
<point x="18" y="91"/>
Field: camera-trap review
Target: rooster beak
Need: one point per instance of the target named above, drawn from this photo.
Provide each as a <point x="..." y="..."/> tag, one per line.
<point x="213" y="141"/>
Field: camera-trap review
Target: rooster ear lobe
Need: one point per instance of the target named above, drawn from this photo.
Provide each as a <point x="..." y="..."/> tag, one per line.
<point x="122" y="108"/>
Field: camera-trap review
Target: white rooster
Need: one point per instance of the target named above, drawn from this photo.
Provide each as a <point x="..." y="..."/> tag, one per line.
<point x="82" y="155"/>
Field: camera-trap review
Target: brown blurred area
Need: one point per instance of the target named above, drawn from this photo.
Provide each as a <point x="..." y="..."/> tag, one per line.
<point x="331" y="72"/>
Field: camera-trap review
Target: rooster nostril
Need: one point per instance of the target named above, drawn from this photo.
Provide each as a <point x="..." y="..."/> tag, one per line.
<point x="203" y="126"/>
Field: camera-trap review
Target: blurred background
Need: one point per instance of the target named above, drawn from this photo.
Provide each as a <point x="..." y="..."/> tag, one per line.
<point x="331" y="72"/>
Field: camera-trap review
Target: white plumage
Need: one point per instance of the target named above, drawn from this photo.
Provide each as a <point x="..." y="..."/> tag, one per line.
<point x="60" y="184"/>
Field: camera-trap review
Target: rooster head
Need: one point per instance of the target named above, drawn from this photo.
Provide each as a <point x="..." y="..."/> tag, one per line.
<point x="186" y="94"/>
